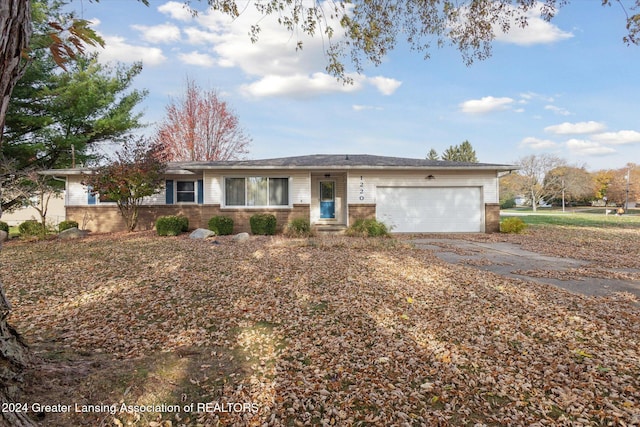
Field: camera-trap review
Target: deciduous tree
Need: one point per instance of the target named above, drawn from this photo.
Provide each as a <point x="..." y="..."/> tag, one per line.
<point x="373" y="28"/>
<point x="30" y="187"/>
<point x="621" y="180"/>
<point x="15" y="33"/>
<point x="576" y="183"/>
<point x="201" y="127"/>
<point x="511" y="186"/>
<point x="534" y="169"/>
<point x="136" y="172"/>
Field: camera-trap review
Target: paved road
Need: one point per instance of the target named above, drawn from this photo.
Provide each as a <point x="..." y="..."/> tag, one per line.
<point x="508" y="259"/>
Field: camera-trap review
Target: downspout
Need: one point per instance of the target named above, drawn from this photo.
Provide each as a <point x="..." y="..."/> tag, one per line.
<point x="66" y="193"/>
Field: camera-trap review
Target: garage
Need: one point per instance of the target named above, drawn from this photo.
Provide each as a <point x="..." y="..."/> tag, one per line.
<point x="430" y="209"/>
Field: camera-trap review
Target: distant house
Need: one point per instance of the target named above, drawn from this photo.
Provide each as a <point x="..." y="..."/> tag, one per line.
<point x="55" y="212"/>
<point x="410" y="195"/>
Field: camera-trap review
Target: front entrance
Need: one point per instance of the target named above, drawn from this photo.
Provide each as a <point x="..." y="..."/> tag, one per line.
<point x="327" y="199"/>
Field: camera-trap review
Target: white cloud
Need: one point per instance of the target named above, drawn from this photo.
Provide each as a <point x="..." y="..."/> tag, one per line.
<point x="164" y="33"/>
<point x="558" y="110"/>
<point x="583" y="147"/>
<point x="538" y="31"/>
<point x="618" y="138"/>
<point x="116" y="49"/>
<point x="529" y="96"/>
<point x="275" y="65"/>
<point x="485" y="105"/>
<point x="198" y="59"/>
<point x="274" y="54"/>
<point x="176" y="10"/>
<point x="197" y="36"/>
<point x="385" y="85"/>
<point x="538" y="144"/>
<point x="299" y="86"/>
<point x="578" y="128"/>
<point x="357" y="107"/>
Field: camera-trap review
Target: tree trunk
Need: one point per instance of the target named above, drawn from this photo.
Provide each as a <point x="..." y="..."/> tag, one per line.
<point x="15" y="32"/>
<point x="534" y="201"/>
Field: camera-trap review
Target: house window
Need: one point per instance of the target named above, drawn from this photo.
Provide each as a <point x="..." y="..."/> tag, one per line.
<point x="106" y="199"/>
<point x="185" y="191"/>
<point x="278" y="191"/>
<point x="234" y="191"/>
<point x="256" y="191"/>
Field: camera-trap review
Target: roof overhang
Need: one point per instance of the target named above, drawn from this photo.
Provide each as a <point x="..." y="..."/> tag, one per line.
<point x="318" y="162"/>
<point x="88" y="171"/>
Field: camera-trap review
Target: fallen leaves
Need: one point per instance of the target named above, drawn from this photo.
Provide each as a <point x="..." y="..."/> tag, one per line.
<point x="333" y="331"/>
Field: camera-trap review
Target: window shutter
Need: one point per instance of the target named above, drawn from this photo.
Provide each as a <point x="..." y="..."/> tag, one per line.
<point x="91" y="198"/>
<point x="169" y="191"/>
<point x="200" y="191"/>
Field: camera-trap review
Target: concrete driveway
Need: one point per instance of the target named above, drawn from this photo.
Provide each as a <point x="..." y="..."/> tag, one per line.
<point x="508" y="259"/>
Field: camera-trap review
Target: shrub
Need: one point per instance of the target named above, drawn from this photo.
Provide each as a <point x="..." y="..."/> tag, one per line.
<point x="170" y="225"/>
<point x="65" y="225"/>
<point x="298" y="227"/>
<point x="508" y="204"/>
<point x="31" y="227"/>
<point x="184" y="221"/>
<point x="512" y="225"/>
<point x="221" y="225"/>
<point x="4" y="226"/>
<point x="367" y="228"/>
<point x="263" y="224"/>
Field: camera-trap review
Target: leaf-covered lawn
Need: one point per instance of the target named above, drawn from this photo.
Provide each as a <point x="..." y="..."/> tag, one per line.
<point x="335" y="331"/>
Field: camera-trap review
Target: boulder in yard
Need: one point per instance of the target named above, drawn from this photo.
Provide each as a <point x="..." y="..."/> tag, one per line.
<point x="72" y="233"/>
<point x="4" y="236"/>
<point x="201" y="233"/>
<point x="240" y="237"/>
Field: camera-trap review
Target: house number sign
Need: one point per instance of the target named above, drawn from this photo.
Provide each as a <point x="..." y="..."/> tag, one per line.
<point x="361" y="189"/>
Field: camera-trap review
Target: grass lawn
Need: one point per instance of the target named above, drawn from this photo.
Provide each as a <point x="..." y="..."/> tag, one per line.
<point x="142" y="330"/>
<point x="594" y="217"/>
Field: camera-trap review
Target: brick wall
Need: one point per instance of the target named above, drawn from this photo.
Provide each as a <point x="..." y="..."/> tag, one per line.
<point x="491" y="217"/>
<point x="241" y="216"/>
<point x="106" y="219"/>
<point x="99" y="219"/>
<point x="357" y="211"/>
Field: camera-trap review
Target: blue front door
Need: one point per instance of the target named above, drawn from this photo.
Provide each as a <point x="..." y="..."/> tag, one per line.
<point x="327" y="199"/>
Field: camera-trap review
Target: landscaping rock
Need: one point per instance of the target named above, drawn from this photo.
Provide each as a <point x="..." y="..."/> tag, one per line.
<point x="240" y="237"/>
<point x="201" y="233"/>
<point x="4" y="236"/>
<point x="72" y="233"/>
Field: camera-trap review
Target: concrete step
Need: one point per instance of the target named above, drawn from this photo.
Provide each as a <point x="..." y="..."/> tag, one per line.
<point x="327" y="229"/>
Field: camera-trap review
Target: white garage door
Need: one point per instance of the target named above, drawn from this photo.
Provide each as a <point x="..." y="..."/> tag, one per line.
<point x="430" y="210"/>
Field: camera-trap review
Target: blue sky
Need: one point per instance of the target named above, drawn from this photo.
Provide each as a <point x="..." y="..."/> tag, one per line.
<point x="568" y="88"/>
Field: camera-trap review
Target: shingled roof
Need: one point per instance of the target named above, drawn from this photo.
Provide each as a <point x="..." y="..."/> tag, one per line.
<point x="314" y="161"/>
<point x="340" y="161"/>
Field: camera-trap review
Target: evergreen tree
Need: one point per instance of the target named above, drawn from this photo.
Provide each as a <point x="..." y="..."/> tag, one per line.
<point x="460" y="153"/>
<point x="432" y="155"/>
<point x="51" y="112"/>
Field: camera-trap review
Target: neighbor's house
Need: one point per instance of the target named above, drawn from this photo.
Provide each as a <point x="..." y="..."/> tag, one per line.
<point x="55" y="212"/>
<point x="410" y="195"/>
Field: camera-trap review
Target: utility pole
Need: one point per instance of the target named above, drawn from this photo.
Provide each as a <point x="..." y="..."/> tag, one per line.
<point x="562" y="195"/>
<point x="626" y="203"/>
